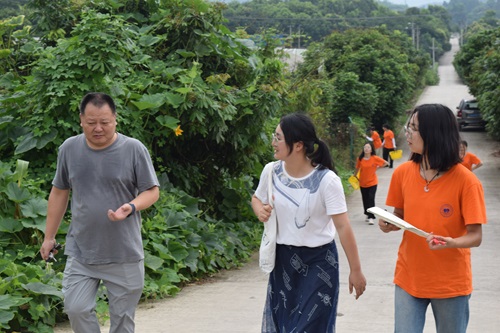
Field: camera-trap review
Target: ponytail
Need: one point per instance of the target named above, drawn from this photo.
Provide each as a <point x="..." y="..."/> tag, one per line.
<point x="298" y="127"/>
<point x="321" y="156"/>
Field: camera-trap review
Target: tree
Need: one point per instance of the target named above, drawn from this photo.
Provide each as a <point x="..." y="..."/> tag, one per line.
<point x="9" y="8"/>
<point x="478" y="64"/>
<point x="376" y="62"/>
<point x="173" y="70"/>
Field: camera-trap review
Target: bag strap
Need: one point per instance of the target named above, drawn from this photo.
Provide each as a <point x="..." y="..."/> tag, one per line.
<point x="270" y="186"/>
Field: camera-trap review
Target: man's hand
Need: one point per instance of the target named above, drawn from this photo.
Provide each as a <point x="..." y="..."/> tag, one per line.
<point x="121" y="213"/>
<point x="48" y="247"/>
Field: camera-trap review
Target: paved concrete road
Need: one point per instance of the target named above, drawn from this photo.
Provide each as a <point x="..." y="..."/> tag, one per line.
<point x="232" y="301"/>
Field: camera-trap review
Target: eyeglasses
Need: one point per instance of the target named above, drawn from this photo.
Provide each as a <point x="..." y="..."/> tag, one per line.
<point x="276" y="138"/>
<point x="409" y="131"/>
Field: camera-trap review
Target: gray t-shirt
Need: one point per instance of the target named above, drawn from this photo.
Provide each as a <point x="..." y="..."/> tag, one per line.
<point x="100" y="180"/>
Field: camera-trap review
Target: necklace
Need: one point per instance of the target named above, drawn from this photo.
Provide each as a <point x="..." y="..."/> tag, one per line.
<point x="426" y="187"/>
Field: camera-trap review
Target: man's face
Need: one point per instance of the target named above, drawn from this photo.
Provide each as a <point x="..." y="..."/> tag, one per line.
<point x="99" y="125"/>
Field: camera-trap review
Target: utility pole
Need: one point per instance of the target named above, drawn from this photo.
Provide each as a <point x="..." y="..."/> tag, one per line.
<point x="417" y="37"/>
<point x="299" y="36"/>
<point x="433" y="53"/>
<point x="413" y="33"/>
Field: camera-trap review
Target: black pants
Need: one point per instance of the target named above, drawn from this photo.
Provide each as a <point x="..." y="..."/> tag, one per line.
<point x="368" y="196"/>
<point x="386" y="156"/>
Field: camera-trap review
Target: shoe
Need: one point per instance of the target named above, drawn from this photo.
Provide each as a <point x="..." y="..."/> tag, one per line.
<point x="367" y="220"/>
<point x="371" y="221"/>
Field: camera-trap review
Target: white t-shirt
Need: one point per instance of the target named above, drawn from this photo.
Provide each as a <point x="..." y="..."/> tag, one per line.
<point x="304" y="205"/>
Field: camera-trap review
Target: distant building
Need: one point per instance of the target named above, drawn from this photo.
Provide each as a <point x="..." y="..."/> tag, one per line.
<point x="294" y="58"/>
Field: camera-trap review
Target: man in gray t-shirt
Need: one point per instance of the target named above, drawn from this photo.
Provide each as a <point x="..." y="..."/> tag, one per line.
<point x="111" y="178"/>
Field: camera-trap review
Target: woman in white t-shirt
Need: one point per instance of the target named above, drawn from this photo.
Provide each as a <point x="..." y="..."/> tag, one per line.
<point x="310" y="207"/>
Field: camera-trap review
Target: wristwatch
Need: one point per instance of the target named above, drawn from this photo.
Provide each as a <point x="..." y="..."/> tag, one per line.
<point x="133" y="209"/>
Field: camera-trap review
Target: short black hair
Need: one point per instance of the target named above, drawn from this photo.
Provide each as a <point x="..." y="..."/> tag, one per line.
<point x="438" y="128"/>
<point x="98" y="99"/>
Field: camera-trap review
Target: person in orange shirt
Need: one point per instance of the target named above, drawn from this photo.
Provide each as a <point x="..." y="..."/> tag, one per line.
<point x="434" y="192"/>
<point x="389" y="144"/>
<point x="367" y="165"/>
<point x="373" y="136"/>
<point x="471" y="161"/>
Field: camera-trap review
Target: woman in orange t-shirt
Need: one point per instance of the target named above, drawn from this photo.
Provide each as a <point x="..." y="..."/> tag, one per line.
<point x="435" y="193"/>
<point x="389" y="144"/>
<point x="367" y="165"/>
<point x="469" y="160"/>
<point x="374" y="137"/>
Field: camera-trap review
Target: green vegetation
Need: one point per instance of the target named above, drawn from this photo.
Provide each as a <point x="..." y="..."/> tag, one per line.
<point x="466" y="12"/>
<point x="10" y="8"/>
<point x="299" y="23"/>
<point x="478" y="64"/>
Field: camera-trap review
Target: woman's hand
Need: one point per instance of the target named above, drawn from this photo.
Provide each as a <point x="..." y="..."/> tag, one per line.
<point x="438" y="242"/>
<point x="357" y="281"/>
<point x="386" y="226"/>
<point x="264" y="213"/>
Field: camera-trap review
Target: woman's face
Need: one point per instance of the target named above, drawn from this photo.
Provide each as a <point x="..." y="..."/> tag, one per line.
<point x="367" y="149"/>
<point x="413" y="137"/>
<point x="463" y="150"/>
<point x="279" y="144"/>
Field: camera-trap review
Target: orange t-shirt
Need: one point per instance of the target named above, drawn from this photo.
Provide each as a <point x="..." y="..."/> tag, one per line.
<point x="469" y="160"/>
<point x="377" y="142"/>
<point x="388" y="136"/>
<point x="454" y="200"/>
<point x="367" y="170"/>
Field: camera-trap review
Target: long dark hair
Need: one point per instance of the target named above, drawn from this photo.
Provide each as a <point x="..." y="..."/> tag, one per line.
<point x="438" y="128"/>
<point x="363" y="150"/>
<point x="298" y="127"/>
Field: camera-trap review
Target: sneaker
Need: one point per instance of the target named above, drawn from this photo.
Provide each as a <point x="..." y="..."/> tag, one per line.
<point x="371" y="221"/>
<point x="367" y="220"/>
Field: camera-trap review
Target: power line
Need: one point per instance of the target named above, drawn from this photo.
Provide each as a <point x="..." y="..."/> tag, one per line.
<point x="315" y="19"/>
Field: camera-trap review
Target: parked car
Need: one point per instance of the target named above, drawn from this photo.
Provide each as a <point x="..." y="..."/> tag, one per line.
<point x="468" y="114"/>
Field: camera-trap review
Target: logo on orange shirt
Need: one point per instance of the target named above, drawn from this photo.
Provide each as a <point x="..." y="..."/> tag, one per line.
<point x="446" y="210"/>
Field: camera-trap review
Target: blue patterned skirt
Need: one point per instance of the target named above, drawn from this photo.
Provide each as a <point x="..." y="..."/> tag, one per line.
<point x="303" y="290"/>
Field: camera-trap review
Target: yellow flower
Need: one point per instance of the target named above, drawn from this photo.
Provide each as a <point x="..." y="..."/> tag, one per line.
<point x="178" y="131"/>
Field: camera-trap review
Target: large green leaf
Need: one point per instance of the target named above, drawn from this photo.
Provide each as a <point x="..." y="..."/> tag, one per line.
<point x="9" y="301"/>
<point x="6" y="119"/>
<point x="14" y="21"/>
<point x="149" y="102"/>
<point x="174" y="100"/>
<point x="10" y="225"/>
<point x="148" y="40"/>
<point x="167" y="121"/>
<point x="27" y="143"/>
<point x="44" y="289"/>
<point x="152" y="261"/>
<point x="39" y="223"/>
<point x="16" y="193"/>
<point x="178" y="251"/>
<point x="49" y="137"/>
<point x="34" y="207"/>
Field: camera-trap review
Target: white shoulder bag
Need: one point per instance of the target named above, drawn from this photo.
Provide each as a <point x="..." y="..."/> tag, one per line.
<point x="267" y="253"/>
